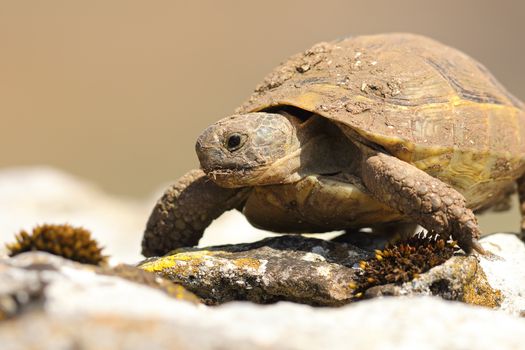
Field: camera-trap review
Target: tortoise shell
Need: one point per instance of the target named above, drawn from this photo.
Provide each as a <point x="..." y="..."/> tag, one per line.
<point x="419" y="100"/>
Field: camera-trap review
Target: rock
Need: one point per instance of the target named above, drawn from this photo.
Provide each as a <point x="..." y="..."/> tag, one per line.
<point x="293" y="268"/>
<point x="506" y="272"/>
<point x="63" y="304"/>
<point x="461" y="278"/>
<point x="34" y="278"/>
<point x="166" y="323"/>
<point x="310" y="271"/>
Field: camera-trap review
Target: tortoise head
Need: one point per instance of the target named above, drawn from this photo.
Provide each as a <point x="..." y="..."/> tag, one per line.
<point x="251" y="149"/>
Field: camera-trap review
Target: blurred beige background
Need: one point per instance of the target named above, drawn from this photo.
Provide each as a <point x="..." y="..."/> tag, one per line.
<point x="118" y="91"/>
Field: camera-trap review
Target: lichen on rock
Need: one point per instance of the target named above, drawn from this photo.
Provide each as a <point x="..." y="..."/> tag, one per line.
<point x="460" y="278"/>
<point x="292" y="268"/>
<point x="318" y="272"/>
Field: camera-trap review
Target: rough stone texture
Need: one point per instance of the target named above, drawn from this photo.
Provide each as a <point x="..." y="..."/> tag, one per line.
<point x="506" y="272"/>
<point x="461" y="278"/>
<point x="33" y="278"/>
<point x="289" y="267"/>
<point x="166" y="323"/>
<point x="64" y="305"/>
<point x="310" y="271"/>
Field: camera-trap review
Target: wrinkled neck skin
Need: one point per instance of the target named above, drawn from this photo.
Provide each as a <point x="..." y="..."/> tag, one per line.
<point x="277" y="148"/>
<point x="325" y="150"/>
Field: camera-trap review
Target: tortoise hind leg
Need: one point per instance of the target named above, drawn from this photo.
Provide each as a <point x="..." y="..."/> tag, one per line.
<point x="185" y="210"/>
<point x="521" y="195"/>
<point x="428" y="201"/>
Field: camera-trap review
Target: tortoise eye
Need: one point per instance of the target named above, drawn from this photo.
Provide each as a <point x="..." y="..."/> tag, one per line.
<point x="235" y="141"/>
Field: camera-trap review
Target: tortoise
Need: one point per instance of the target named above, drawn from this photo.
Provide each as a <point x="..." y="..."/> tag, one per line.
<point x="383" y="132"/>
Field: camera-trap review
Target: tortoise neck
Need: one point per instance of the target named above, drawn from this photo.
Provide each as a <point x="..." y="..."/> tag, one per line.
<point x="325" y="149"/>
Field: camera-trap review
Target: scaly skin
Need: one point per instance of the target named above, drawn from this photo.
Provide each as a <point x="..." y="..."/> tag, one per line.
<point x="431" y="203"/>
<point x="185" y="210"/>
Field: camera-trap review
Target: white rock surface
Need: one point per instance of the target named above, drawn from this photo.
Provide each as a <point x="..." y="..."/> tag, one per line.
<point x="506" y="272"/>
<point x="377" y="324"/>
<point x="72" y="288"/>
<point x="82" y="309"/>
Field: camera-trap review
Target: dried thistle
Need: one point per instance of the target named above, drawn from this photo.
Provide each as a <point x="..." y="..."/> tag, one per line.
<point x="404" y="261"/>
<point x="74" y="243"/>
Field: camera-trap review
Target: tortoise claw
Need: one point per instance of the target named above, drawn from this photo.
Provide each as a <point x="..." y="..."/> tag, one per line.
<point x="478" y="248"/>
<point x="470" y="244"/>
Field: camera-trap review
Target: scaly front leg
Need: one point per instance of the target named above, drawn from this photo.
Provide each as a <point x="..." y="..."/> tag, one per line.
<point x="185" y="210"/>
<point x="430" y="202"/>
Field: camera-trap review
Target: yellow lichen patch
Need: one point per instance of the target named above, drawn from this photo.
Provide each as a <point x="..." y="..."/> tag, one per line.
<point x="244" y="263"/>
<point x="479" y="292"/>
<point x="192" y="255"/>
<point x="159" y="264"/>
<point x="174" y="262"/>
<point x="74" y="243"/>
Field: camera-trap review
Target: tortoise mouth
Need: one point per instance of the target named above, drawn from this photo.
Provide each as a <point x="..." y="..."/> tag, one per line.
<point x="225" y="171"/>
<point x="235" y="176"/>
